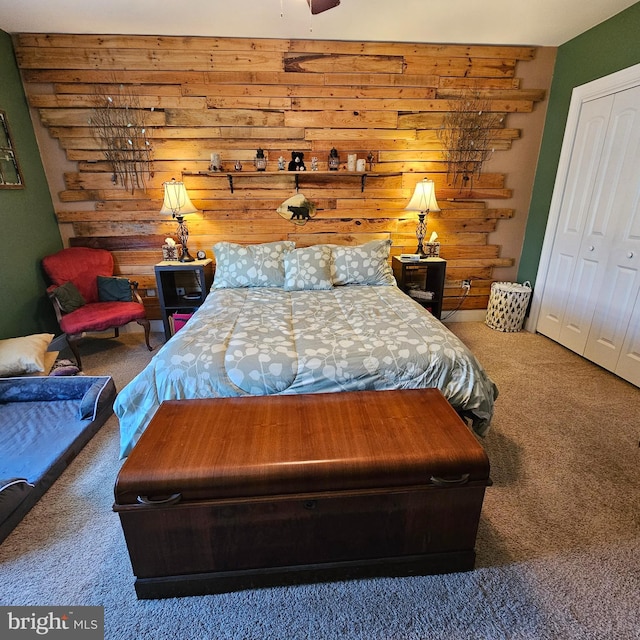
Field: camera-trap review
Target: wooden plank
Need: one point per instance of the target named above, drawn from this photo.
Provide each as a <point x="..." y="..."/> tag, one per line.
<point x="508" y="95"/>
<point x="364" y="104"/>
<point x="405" y="49"/>
<point x="164" y="60"/>
<point x="81" y="117"/>
<point x="382" y="79"/>
<point x="69" y="100"/>
<point x="338" y="63"/>
<point x="304" y="91"/>
<point x="113" y="75"/>
<point x="110" y="88"/>
<point x="228" y="117"/>
<point x="248" y="102"/>
<point x="341" y="119"/>
<point x="340" y="134"/>
<point x="197" y="43"/>
<point x="462" y="67"/>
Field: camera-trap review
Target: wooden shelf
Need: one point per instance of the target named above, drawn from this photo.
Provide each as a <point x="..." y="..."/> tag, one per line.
<point x="297" y="175"/>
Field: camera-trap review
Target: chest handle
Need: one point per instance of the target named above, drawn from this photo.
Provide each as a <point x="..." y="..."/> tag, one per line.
<point x="450" y="481"/>
<point x="173" y="499"/>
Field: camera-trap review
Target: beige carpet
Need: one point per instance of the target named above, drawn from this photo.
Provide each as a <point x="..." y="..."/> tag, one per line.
<point x="558" y="546"/>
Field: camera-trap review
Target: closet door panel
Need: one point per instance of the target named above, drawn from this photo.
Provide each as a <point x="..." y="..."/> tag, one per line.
<point x="584" y="288"/>
<point x="567" y="303"/>
<point x="616" y="303"/>
<point x="628" y="366"/>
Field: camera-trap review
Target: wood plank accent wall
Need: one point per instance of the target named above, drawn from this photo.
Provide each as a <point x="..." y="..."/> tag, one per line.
<point x="233" y="95"/>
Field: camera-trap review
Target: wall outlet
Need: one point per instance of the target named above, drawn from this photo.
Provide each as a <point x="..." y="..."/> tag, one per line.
<point x="466" y="284"/>
<point x="181" y="291"/>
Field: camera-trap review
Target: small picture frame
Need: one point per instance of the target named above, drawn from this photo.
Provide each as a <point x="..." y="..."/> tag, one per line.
<point x="10" y="175"/>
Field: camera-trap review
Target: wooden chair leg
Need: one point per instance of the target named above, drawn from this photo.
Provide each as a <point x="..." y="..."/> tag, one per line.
<point x="72" y="341"/>
<point x="147" y="328"/>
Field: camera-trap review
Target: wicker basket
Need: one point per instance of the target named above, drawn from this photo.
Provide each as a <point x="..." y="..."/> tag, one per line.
<point x="508" y="304"/>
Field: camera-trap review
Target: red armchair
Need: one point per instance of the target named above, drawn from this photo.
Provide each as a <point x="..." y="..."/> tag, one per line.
<point x="86" y="296"/>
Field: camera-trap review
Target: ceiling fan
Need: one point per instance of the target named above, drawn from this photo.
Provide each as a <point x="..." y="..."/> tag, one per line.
<point x="318" y="6"/>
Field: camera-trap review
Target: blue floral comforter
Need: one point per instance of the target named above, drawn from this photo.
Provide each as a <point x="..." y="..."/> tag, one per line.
<point x="264" y="341"/>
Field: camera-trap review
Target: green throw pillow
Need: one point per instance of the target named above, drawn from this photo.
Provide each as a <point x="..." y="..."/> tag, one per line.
<point x="114" y="289"/>
<point x="69" y="297"/>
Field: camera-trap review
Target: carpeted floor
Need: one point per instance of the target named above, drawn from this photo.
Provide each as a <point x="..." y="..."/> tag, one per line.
<point x="558" y="546"/>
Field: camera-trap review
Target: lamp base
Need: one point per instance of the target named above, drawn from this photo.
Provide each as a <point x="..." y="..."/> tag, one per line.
<point x="185" y="256"/>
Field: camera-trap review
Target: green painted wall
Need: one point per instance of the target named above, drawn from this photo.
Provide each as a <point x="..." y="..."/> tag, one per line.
<point x="609" y="47"/>
<point x="28" y="223"/>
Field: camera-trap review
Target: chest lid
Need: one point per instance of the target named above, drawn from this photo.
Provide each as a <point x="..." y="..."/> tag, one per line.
<point x="273" y="445"/>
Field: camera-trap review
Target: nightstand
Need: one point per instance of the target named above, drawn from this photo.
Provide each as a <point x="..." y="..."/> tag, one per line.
<point x="182" y="287"/>
<point x="423" y="280"/>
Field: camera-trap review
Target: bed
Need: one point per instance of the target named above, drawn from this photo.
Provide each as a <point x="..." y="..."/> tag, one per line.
<point x="321" y="319"/>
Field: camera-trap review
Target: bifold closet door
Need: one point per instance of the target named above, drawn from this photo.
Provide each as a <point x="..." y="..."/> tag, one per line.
<point x="591" y="301"/>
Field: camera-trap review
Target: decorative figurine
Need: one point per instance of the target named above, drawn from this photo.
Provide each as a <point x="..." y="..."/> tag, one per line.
<point x="297" y="161"/>
<point x="281" y="163"/>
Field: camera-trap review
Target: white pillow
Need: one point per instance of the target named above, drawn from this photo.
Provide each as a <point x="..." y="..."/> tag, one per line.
<point x="19" y="356"/>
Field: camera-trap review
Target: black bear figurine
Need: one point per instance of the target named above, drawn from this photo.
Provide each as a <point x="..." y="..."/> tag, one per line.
<point x="297" y="161"/>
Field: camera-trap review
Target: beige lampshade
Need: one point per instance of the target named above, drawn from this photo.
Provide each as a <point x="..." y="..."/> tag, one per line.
<point x="176" y="199"/>
<point x="424" y="197"/>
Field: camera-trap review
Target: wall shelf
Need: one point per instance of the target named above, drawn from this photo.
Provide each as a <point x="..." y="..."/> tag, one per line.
<point x="297" y="175"/>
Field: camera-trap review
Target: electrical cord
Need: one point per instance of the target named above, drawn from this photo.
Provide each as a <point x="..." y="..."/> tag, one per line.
<point x="462" y="299"/>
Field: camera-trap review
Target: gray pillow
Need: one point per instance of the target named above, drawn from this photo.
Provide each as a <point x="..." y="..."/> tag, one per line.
<point x="364" y="264"/>
<point x="308" y="268"/>
<point x="257" y="265"/>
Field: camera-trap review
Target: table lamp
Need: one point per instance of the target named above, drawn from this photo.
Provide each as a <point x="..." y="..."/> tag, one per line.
<point x="177" y="203"/>
<point x="423" y="200"/>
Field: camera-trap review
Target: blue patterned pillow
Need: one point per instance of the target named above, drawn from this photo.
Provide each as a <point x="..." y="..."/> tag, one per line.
<point x="364" y="264"/>
<point x="257" y="265"/>
<point x="308" y="268"/>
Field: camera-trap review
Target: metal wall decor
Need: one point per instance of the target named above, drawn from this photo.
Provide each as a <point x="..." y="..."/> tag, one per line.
<point x="466" y="135"/>
<point x="118" y="122"/>
<point x="10" y="176"/>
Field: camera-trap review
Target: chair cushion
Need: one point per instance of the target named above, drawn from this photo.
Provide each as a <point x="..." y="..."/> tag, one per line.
<point x="98" y="316"/>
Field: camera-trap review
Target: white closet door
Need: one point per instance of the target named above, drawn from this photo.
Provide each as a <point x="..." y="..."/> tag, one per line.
<point x="616" y="302"/>
<point x="577" y="258"/>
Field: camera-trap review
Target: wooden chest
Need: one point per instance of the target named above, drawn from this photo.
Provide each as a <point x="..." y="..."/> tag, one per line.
<point x="234" y="493"/>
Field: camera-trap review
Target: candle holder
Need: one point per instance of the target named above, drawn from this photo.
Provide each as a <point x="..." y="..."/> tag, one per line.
<point x="334" y="160"/>
<point x="260" y="161"/>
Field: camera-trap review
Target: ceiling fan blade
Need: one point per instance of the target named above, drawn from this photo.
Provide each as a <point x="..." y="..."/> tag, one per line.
<point x="318" y="6"/>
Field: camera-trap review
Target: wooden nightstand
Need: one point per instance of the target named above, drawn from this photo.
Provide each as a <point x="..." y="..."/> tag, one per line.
<point x="182" y="287"/>
<point x="419" y="278"/>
